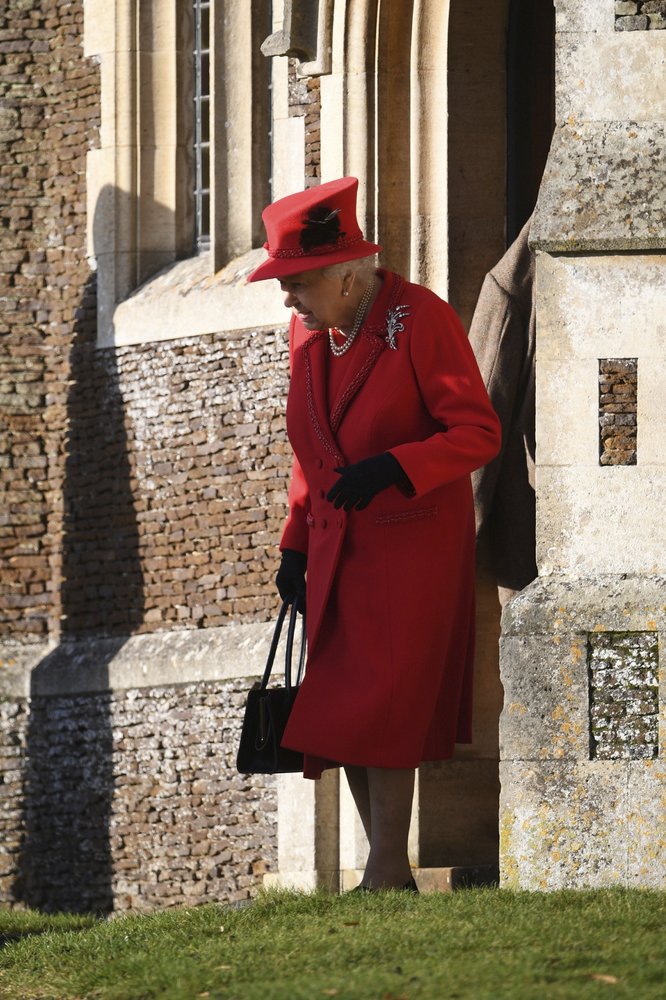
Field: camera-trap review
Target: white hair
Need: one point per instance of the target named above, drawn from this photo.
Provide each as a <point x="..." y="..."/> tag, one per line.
<point x="362" y="267"/>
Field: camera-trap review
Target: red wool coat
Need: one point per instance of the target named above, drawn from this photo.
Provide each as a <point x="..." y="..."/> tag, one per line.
<point x="390" y="589"/>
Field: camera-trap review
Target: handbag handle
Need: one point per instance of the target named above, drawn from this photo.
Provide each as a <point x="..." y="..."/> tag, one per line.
<point x="289" y="647"/>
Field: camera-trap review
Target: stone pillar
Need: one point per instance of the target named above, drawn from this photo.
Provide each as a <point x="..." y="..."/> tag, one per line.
<point x="308" y="841"/>
<point x="583" y="777"/>
<point x="354" y="845"/>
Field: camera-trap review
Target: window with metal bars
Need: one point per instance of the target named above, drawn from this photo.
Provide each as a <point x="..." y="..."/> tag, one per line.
<point x="202" y="124"/>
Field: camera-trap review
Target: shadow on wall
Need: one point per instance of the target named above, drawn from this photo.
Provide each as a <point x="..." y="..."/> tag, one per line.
<point x="66" y="862"/>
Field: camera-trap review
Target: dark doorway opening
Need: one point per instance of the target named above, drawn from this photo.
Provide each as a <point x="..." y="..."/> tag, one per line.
<point x="530" y="105"/>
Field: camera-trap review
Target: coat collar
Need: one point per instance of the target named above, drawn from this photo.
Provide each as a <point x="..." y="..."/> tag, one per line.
<point x="371" y="344"/>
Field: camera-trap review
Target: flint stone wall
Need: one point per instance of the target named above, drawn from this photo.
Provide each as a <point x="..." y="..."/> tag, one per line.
<point x="130" y="800"/>
<point x="624" y="695"/>
<point x="124" y="474"/>
<point x="176" y="484"/>
<point x="49" y="118"/>
<point x="143" y="490"/>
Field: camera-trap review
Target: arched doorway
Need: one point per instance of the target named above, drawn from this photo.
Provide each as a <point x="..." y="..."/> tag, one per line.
<point x="530" y="105"/>
<point x="500" y="117"/>
<point x="428" y="119"/>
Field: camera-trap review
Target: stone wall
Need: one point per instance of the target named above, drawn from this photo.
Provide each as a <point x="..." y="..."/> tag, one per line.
<point x="618" y="408"/>
<point x="13" y="738"/>
<point x="175" y="485"/>
<point x="623" y="695"/>
<point x="305" y="102"/>
<point x="142" y="490"/>
<point x="141" y="487"/>
<point x="582" y="776"/>
<point x="130" y="801"/>
<point x="49" y="116"/>
<point x="640" y="15"/>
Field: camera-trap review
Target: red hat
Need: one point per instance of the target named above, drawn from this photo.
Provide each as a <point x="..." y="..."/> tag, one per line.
<point x="311" y="229"/>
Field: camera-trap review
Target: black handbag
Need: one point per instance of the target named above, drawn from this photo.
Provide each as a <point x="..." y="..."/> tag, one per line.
<point x="267" y="709"/>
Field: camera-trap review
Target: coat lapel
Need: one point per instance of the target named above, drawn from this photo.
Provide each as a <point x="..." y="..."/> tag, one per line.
<point x="366" y="352"/>
<point x="315" y="351"/>
<point x="371" y="345"/>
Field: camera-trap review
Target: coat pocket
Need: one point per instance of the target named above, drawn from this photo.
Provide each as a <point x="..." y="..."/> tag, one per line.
<point x="406" y="516"/>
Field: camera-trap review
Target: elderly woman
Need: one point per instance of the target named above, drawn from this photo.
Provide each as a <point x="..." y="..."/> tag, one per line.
<point x="387" y="416"/>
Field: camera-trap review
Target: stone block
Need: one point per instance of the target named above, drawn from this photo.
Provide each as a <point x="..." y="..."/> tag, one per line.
<point x="562" y="825"/>
<point x="567" y="820"/>
<point x="599" y="189"/>
<point x="624" y="7"/>
<point x="456" y="814"/>
<point x="580" y="318"/>
<point x="562" y="606"/>
<point x="354" y="844"/>
<point x="308" y="831"/>
<point x="572" y="16"/>
<point x="576" y="381"/>
<point x="582" y="825"/>
<point x="587" y="521"/>
<point x="612" y="76"/>
<point x="646" y="844"/>
<point x="185" y="300"/>
<point x="545" y="711"/>
<point x="638" y="22"/>
<point x="99" y="34"/>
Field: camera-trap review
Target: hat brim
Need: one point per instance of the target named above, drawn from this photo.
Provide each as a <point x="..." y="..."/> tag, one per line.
<point x="282" y="267"/>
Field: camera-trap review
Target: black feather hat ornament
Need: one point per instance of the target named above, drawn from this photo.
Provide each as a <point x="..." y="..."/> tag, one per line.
<point x="313" y="229"/>
<point x="321" y="227"/>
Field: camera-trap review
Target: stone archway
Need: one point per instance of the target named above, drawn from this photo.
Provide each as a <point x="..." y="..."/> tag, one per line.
<point x="416" y="107"/>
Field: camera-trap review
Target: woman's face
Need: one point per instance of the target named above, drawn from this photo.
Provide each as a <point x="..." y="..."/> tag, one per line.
<point x="317" y="301"/>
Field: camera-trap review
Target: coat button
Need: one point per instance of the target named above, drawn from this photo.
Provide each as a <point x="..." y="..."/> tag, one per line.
<point x="319" y="463"/>
<point x="323" y="523"/>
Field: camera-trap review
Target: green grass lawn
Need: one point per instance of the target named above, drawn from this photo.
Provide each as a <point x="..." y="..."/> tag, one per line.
<point x="487" y="944"/>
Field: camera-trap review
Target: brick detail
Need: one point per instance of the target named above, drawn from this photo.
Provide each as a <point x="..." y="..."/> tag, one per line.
<point x="624" y="695"/>
<point x="305" y="102"/>
<point x="49" y="118"/>
<point x="176" y="484"/>
<point x="640" y="15"/>
<point x="142" y="488"/>
<point x="618" y="404"/>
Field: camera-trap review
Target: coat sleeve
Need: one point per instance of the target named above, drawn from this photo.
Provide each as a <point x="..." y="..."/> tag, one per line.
<point x="500" y="338"/>
<point x="295" y="533"/>
<point x="454" y="395"/>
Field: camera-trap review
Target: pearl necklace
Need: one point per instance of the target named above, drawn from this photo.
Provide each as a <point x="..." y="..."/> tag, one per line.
<point x="339" y="349"/>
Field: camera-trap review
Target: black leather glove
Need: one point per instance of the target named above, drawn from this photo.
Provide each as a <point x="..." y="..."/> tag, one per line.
<point x="290" y="579"/>
<point x="360" y="483"/>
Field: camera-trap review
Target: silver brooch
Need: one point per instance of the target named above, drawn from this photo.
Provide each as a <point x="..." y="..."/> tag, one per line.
<point x="394" y="324"/>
